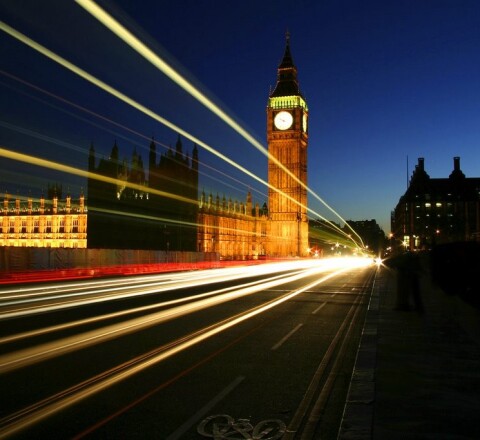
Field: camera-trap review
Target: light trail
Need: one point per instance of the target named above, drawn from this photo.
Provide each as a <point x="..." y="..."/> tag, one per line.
<point x="82" y="150"/>
<point x="78" y="107"/>
<point x="32" y="291"/>
<point x="50" y="406"/>
<point x="120" y="31"/>
<point x="43" y="137"/>
<point x="102" y="85"/>
<point x="224" y="273"/>
<point x="49" y="350"/>
<point x="114" y="293"/>
<point x="76" y="171"/>
<point x="99" y="318"/>
<point x="110" y="121"/>
<point x="32" y="160"/>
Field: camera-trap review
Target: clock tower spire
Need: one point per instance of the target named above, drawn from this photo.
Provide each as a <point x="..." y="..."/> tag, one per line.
<point x="287" y="136"/>
<point x="287" y="83"/>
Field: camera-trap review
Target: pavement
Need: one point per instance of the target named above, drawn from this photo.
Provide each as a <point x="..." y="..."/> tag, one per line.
<point x="417" y="374"/>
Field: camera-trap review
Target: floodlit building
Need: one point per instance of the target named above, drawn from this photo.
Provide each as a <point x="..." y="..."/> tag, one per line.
<point x="437" y="210"/>
<point x="234" y="230"/>
<point x="51" y="223"/>
<point x="281" y="230"/>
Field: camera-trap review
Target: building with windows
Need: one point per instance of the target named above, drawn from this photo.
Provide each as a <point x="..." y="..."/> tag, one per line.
<point x="50" y="223"/>
<point x="437" y="210"/>
<point x="232" y="229"/>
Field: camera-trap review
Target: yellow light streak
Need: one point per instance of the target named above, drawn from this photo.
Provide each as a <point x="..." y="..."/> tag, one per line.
<point x="99" y="318"/>
<point x="37" y="412"/>
<point x="44" y="163"/>
<point x="102" y="85"/>
<point x="110" y="121"/>
<point x="121" y="32"/>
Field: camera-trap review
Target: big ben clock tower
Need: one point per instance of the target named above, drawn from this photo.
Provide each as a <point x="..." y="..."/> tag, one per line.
<point x="287" y="136"/>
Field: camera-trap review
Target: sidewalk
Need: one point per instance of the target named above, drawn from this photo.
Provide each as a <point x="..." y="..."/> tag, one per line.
<point x="417" y="376"/>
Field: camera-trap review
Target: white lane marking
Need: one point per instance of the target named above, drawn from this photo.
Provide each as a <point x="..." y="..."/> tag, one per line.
<point x="319" y="307"/>
<point x="180" y="431"/>
<point x="279" y="343"/>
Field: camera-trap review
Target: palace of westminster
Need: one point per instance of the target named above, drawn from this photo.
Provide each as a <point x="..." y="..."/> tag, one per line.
<point x="127" y="210"/>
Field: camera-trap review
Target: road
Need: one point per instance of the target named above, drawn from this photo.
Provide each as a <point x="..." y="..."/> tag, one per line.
<point x="269" y="348"/>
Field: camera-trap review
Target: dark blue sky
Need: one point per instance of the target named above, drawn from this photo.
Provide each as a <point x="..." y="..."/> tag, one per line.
<point x="384" y="80"/>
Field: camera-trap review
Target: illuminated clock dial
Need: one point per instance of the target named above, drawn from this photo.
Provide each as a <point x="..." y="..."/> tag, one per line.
<point x="283" y="120"/>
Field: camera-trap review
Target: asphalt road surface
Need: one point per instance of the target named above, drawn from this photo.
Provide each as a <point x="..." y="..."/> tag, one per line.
<point x="260" y="352"/>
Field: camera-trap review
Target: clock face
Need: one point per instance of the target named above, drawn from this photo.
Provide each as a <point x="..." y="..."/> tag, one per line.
<point x="283" y="120"/>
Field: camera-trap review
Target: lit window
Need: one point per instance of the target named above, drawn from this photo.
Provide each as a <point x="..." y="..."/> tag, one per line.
<point x="428" y="205"/>
<point x="438" y="204"/>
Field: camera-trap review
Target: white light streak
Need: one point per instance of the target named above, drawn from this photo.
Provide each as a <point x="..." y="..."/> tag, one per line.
<point x="98" y="318"/>
<point x="111" y="290"/>
<point x="48" y="350"/>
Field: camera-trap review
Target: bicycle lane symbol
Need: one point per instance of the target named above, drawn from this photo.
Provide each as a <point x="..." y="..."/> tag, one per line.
<point x="222" y="426"/>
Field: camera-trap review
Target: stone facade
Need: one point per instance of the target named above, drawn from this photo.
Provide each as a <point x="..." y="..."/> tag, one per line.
<point x="50" y="223"/>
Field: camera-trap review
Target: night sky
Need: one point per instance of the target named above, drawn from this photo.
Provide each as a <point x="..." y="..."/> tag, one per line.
<point x="386" y="82"/>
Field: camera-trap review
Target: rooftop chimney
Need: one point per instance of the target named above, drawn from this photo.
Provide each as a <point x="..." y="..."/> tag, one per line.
<point x="421" y="166"/>
<point x="456" y="163"/>
<point x="457" y="174"/>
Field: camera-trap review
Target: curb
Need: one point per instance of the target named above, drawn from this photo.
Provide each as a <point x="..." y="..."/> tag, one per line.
<point x="357" y="420"/>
